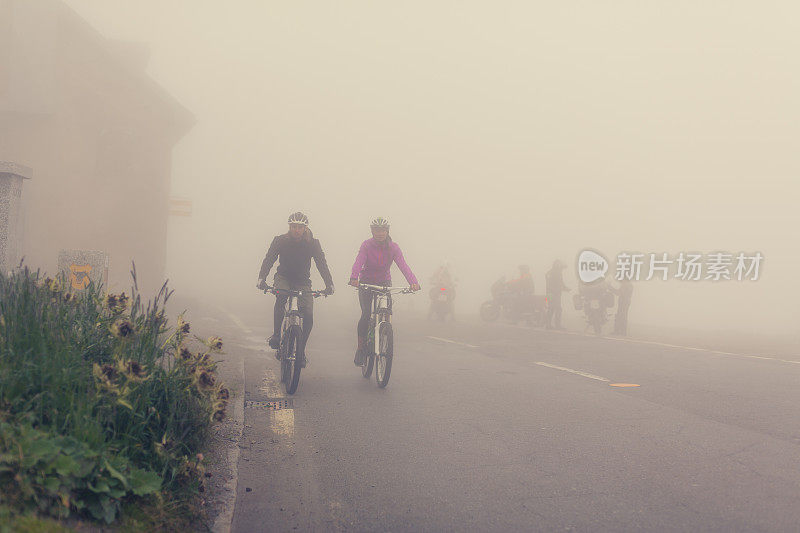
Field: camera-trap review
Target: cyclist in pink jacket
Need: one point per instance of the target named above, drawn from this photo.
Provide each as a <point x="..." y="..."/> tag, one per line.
<point x="374" y="259"/>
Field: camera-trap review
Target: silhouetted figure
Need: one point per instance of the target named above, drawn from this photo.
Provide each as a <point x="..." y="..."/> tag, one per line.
<point x="295" y="249"/>
<point x="443" y="287"/>
<point x="523" y="285"/>
<point x="554" y="285"/>
<point x="521" y="290"/>
<point x="623" y="303"/>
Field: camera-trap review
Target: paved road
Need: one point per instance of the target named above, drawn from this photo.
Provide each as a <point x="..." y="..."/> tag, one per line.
<point x="498" y="428"/>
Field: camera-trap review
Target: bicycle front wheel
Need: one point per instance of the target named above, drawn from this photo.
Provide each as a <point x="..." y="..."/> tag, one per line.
<point x="383" y="359"/>
<point x="366" y="366"/>
<point x="293" y="359"/>
<point x="369" y="356"/>
<point x="286" y="367"/>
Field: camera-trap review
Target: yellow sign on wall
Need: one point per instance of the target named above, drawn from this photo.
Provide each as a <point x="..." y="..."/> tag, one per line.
<point x="79" y="276"/>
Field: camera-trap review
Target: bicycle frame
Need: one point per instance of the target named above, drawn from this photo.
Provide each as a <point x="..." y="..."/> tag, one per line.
<point x="381" y="308"/>
<point x="381" y="312"/>
<point x="291" y="317"/>
<point x="291" y="314"/>
<point x="291" y="335"/>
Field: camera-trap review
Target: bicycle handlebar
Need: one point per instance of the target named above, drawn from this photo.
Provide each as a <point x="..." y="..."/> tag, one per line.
<point x="386" y="290"/>
<point x="294" y="292"/>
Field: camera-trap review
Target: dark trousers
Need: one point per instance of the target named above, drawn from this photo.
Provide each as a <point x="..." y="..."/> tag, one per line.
<point x="305" y="304"/>
<point x="308" y="318"/>
<point x="554" y="310"/>
<point x="621" y="318"/>
<point x="365" y="299"/>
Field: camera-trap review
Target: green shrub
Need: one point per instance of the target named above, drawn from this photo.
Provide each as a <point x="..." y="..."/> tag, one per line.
<point x="100" y="401"/>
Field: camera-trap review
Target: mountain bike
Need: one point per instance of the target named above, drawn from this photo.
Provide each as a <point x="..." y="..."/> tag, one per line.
<point x="291" y="335"/>
<point x="380" y="335"/>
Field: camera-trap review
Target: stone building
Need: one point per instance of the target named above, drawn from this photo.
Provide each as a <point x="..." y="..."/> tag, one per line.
<point x="97" y="133"/>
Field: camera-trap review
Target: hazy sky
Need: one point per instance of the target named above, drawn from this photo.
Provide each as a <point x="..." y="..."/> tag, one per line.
<point x="491" y="133"/>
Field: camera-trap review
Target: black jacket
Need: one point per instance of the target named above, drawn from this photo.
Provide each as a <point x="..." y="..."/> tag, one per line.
<point x="295" y="259"/>
<point x="554" y="283"/>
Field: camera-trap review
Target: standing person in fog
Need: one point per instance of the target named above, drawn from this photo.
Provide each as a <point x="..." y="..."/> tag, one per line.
<point x="554" y="285"/>
<point x="624" y="293"/>
<point x="295" y="249"/>
<point x="372" y="265"/>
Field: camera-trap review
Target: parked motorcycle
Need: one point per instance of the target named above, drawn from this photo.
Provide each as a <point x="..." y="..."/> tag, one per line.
<point x="595" y="302"/>
<point x="514" y="307"/>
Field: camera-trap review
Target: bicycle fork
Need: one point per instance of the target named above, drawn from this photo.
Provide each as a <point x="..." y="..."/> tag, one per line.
<point x="291" y="318"/>
<point x="383" y="313"/>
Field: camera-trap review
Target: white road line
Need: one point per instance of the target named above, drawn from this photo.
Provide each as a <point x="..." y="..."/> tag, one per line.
<point x="253" y="347"/>
<point x="236" y="321"/>
<point x="578" y="372"/>
<point x="678" y="346"/>
<point x="452" y="342"/>
<point x="270" y="385"/>
<point x="642" y="341"/>
<point x="281" y="421"/>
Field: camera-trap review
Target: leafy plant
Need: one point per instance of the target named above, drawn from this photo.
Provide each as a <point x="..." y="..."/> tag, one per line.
<point x="100" y="401"/>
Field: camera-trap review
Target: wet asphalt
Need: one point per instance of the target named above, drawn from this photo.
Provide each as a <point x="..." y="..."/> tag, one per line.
<point x="496" y="427"/>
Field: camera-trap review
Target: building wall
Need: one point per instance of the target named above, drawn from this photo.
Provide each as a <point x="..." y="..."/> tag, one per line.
<point x="98" y="134"/>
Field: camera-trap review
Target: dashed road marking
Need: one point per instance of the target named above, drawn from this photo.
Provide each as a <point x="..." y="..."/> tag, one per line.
<point x="235" y="320"/>
<point x="707" y="350"/>
<point x="251" y="347"/>
<point x="665" y="344"/>
<point x="281" y="421"/>
<point x="452" y="342"/>
<point x="578" y="372"/>
<point x="270" y="385"/>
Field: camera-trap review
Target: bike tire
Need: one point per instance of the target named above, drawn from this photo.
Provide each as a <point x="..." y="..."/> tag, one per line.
<point x="369" y="355"/>
<point x="286" y="368"/>
<point x="293" y="377"/>
<point x="282" y="350"/>
<point x="366" y="368"/>
<point x="383" y="359"/>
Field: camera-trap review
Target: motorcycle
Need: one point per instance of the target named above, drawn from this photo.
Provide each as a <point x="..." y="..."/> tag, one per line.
<point x="442" y="302"/>
<point x="595" y="304"/>
<point x="531" y="308"/>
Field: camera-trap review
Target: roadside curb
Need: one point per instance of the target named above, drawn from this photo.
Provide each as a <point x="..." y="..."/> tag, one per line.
<point x="223" y="521"/>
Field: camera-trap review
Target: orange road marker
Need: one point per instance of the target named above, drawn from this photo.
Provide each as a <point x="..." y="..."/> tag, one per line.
<point x="624" y="385"/>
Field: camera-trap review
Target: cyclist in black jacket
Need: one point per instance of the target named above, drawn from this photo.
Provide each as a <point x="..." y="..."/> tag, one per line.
<point x="295" y="250"/>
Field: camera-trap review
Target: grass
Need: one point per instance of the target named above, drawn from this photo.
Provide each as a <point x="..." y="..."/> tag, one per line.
<point x="102" y="403"/>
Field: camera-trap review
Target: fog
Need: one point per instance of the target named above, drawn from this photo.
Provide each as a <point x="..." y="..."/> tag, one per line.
<point x="490" y="134"/>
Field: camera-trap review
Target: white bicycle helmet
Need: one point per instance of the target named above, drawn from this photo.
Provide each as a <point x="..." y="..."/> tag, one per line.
<point x="298" y="218"/>
<point x="380" y="222"/>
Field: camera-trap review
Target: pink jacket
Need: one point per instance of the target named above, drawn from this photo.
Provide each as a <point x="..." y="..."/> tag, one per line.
<point x="374" y="260"/>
